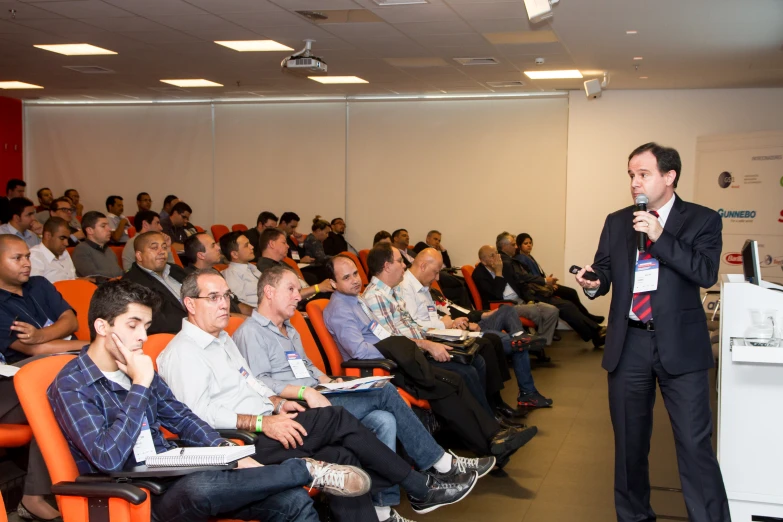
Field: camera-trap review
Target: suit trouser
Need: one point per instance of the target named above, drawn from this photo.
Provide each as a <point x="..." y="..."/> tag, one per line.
<point x="334" y="435"/>
<point x="571" y="295"/>
<point x="583" y="325"/>
<point x="37" y="481"/>
<point x="543" y="315"/>
<point x="686" y="396"/>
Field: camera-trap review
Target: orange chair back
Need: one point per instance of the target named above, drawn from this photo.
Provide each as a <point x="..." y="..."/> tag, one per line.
<point x="220" y="267"/>
<point x="155" y="344"/>
<point x="177" y="260"/>
<point x="363" y="256"/>
<point x="308" y="342"/>
<point x="315" y="311"/>
<point x="198" y="228"/>
<point x="219" y="231"/>
<point x="31" y="383"/>
<point x="131" y="231"/>
<point x="70" y="250"/>
<point x="360" y="266"/>
<point x="436" y="286"/>
<point x="14" y="436"/>
<point x="234" y="323"/>
<point x="467" y="273"/>
<point x="239" y="227"/>
<point x="290" y="262"/>
<point x="117" y="249"/>
<point x="78" y="294"/>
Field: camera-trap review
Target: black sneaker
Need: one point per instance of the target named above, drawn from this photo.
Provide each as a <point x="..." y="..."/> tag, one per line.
<point x="444" y="492"/>
<point x="533" y="400"/>
<point x="510" y="439"/>
<point x="524" y="341"/>
<point x="482" y="466"/>
<point x="396" y="517"/>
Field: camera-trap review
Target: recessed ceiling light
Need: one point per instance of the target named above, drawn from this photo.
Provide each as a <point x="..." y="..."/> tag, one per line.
<point x="631" y="32"/>
<point x="643" y="77"/>
<point x="338" y="79"/>
<point x="193" y="83"/>
<point x="553" y="75"/>
<point x="18" y="85"/>
<point x="244" y="46"/>
<point x="638" y="58"/>
<point x="81" y="49"/>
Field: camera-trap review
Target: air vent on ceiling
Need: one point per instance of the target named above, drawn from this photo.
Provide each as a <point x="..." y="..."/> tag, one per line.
<point x="89" y="69"/>
<point x="477" y="61"/>
<point x="513" y="83"/>
<point x="341" y="16"/>
<point x="400" y="2"/>
<point x="313" y="15"/>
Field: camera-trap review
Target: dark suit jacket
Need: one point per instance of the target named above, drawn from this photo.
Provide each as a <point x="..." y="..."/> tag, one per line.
<point x="689" y="254"/>
<point x="421" y="245"/>
<point x="169" y="317"/>
<point x="491" y="289"/>
<point x="335" y="244"/>
<point x="254" y="236"/>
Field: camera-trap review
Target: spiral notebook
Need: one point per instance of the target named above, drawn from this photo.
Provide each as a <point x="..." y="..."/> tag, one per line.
<point x="200" y="456"/>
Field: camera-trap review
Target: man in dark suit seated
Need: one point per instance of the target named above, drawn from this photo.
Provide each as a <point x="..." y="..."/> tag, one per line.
<point x="452" y="286"/>
<point x="265" y="220"/>
<point x="336" y="243"/>
<point x="401" y="240"/>
<point x="152" y="270"/>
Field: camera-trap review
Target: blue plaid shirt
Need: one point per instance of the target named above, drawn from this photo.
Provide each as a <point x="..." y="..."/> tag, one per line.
<point x="102" y="420"/>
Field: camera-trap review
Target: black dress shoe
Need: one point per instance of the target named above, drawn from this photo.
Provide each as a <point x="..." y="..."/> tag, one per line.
<point x="510" y="413"/>
<point x="597" y="318"/>
<point x="511" y="439"/>
<point x="599" y="339"/>
<point x="556" y="337"/>
<point x="444" y="492"/>
<point x="509" y="423"/>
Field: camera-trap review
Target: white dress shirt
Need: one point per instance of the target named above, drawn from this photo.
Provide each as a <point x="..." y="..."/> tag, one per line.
<point x="210" y="376"/>
<point x="44" y="263"/>
<point x="29" y="237"/>
<point x="418" y="301"/>
<point x="242" y="279"/>
<point x="114" y="222"/>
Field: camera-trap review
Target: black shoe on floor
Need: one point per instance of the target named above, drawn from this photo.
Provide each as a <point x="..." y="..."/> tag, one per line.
<point x="599" y="339"/>
<point x="533" y="400"/>
<point x="556" y="337"/>
<point x="598" y="319"/>
<point x="510" y="413"/>
<point x="524" y="341"/>
<point x="511" y="439"/>
<point x="509" y="423"/>
<point x="443" y="493"/>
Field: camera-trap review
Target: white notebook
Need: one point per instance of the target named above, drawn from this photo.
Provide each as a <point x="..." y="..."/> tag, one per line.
<point x="190" y="457"/>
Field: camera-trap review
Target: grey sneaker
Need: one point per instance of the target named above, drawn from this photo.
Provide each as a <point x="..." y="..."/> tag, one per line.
<point x="396" y="517"/>
<point x="338" y="479"/>
<point x="482" y="465"/>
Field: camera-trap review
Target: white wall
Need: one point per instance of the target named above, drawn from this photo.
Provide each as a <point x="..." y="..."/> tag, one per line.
<point x="602" y="132"/>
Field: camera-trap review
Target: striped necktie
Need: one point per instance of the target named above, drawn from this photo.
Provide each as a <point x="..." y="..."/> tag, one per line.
<point x="641" y="304"/>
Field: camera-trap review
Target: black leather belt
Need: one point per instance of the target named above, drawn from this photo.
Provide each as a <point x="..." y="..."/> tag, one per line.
<point x="649" y="325"/>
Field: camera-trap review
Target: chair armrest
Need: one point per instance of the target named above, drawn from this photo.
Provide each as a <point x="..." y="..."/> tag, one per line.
<point x="100" y="489"/>
<point x="384" y="364"/>
<point x="154" y="487"/>
<point x="245" y="436"/>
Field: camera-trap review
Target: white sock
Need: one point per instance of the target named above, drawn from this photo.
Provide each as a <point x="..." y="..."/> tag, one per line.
<point x="444" y="464"/>
<point x="383" y="512"/>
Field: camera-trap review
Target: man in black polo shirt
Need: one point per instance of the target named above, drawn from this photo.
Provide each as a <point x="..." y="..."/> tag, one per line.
<point x="181" y="228"/>
<point x="336" y="243"/>
<point x="265" y="220"/>
<point x="34" y="320"/>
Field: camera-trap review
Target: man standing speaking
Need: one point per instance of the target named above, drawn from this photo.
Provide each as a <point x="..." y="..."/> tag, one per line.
<point x="658" y="332"/>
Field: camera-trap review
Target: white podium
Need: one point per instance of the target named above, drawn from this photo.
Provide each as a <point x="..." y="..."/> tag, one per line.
<point x="750" y="404"/>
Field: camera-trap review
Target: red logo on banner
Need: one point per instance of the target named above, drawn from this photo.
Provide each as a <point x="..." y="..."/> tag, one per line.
<point x="733" y="258"/>
<point x="780" y="219"/>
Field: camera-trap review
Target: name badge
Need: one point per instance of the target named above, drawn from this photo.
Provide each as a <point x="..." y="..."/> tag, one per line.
<point x="295" y="255"/>
<point x="243" y="372"/>
<point x="646" y="276"/>
<point x="48" y="322"/>
<point x="433" y="313"/>
<point x="144" y="446"/>
<point x="297" y="365"/>
<point x="379" y="331"/>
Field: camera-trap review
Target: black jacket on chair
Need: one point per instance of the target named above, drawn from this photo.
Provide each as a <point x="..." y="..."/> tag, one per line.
<point x="169" y="317"/>
<point x="689" y="255"/>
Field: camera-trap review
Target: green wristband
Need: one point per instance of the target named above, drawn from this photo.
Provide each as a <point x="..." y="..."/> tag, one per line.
<point x="301" y="393"/>
<point x="259" y="424"/>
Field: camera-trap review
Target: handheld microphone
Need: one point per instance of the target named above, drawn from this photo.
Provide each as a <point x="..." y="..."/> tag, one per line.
<point x="641" y="237"/>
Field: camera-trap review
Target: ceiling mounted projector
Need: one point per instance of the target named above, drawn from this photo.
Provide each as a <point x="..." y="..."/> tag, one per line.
<point x="304" y="63"/>
<point x="539" y="10"/>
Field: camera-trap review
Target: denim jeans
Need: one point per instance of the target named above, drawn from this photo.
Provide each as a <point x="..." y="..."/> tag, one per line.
<point x="474" y="375"/>
<point x="269" y="493"/>
<point x="507" y="319"/>
<point x="386" y="414"/>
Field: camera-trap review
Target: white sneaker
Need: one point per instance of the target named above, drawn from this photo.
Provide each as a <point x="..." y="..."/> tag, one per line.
<point x="338" y="479"/>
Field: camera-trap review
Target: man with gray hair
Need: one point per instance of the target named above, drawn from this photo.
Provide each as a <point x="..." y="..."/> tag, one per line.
<point x="206" y="371"/>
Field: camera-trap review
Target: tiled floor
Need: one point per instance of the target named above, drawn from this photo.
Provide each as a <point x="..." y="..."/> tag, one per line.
<point x="565" y="473"/>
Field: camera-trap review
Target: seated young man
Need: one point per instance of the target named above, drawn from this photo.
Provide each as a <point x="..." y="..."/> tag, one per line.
<point x="205" y="370"/>
<point x="416" y="293"/>
<point x="93" y="257"/>
<point x="111" y="405"/>
<point x="241" y="275"/>
<point x="50" y="258"/>
<point x="146" y="221"/>
<point x="359" y="336"/>
<point x="34" y="320"/>
<point x="267" y="341"/>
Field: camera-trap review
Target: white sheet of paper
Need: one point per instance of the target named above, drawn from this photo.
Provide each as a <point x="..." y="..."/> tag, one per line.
<point x="295" y="255"/>
<point x="646" y="276"/>
<point x="144" y="446"/>
<point x="7" y="370"/>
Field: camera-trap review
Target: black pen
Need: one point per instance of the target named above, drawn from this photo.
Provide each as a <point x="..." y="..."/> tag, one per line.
<point x="182" y="451"/>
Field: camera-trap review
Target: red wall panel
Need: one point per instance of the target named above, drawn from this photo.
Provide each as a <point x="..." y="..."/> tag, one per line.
<point x="10" y="141"/>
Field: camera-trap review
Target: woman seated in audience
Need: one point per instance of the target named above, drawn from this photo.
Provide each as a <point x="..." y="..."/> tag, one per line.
<point x="382" y="237"/>
<point x="524" y="249"/>
<point x="314" y="247"/>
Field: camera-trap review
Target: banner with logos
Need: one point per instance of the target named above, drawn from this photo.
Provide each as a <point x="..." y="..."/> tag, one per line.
<point x="741" y="177"/>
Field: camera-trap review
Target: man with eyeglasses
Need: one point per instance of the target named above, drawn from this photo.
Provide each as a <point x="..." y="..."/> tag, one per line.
<point x="63" y="208"/>
<point x="165" y="279"/>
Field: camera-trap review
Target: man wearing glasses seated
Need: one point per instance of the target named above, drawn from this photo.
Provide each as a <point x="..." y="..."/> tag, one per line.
<point x="63" y="208"/>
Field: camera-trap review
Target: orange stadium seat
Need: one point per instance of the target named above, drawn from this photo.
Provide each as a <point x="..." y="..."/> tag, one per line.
<point x="363" y="256"/>
<point x="467" y="273"/>
<point x="239" y="227"/>
<point x="290" y="262"/>
<point x="219" y="231"/>
<point x="78" y="293"/>
<point x="360" y="266"/>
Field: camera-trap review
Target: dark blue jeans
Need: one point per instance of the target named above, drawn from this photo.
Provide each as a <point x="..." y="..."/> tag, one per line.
<point x="270" y="493"/>
<point x="506" y="319"/>
<point x="386" y="414"/>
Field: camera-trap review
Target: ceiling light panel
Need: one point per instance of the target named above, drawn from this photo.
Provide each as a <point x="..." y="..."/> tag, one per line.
<point x="337" y="79"/>
<point x="553" y="75"/>
<point x="199" y="82"/>
<point x="244" y="46"/>
<point x="81" y="49"/>
<point x="18" y="85"/>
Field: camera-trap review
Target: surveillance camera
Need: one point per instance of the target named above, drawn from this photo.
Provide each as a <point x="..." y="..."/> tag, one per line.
<point x="592" y="89"/>
<point x="540" y="61"/>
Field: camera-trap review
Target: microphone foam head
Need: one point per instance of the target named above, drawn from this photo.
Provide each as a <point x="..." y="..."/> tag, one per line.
<point x="641" y="199"/>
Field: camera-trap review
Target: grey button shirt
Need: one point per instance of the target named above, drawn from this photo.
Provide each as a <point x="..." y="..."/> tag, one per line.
<point x="263" y="346"/>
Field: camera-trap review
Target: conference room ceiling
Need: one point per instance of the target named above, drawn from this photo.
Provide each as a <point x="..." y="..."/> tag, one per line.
<point x="404" y="49"/>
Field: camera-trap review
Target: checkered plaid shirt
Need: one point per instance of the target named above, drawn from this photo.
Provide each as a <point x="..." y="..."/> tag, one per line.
<point x="388" y="307"/>
<point x="102" y="420"/>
